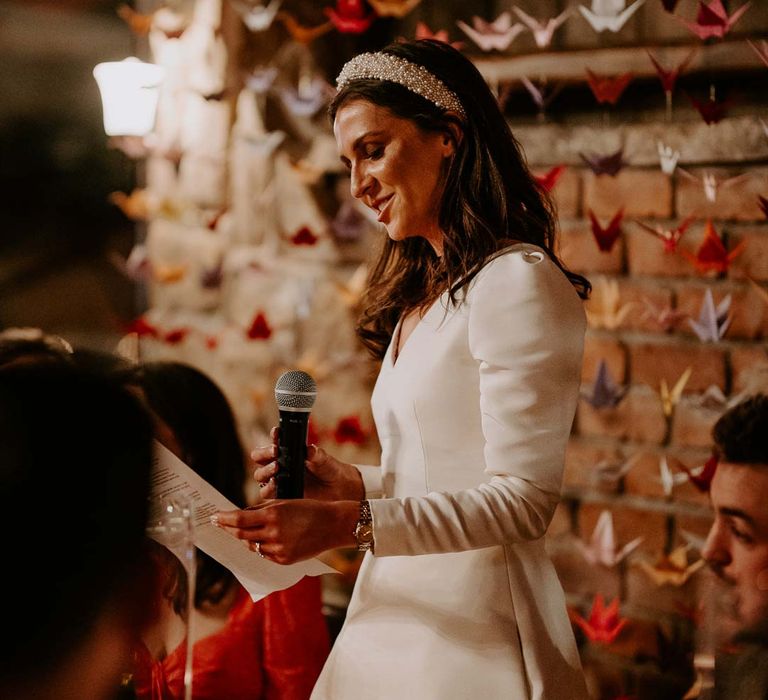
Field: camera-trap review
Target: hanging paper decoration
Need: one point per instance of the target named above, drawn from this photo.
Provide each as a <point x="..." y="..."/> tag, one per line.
<point x="701" y="477"/>
<point x="212" y="277"/>
<point x="304" y="236"/>
<point x="348" y="224"/>
<point x="609" y="15"/>
<point x="393" y="8"/>
<point x="541" y="94"/>
<point x="671" y="569"/>
<point x="712" y="20"/>
<point x="665" y="317"/>
<point x="175" y="336"/>
<point x="611" y="472"/>
<point x="301" y="33"/>
<point x="168" y="274"/>
<point x="137" y="206"/>
<point x="712" y="110"/>
<point x="610" y="164"/>
<point x="548" y="180"/>
<point x="606" y="237"/>
<point x="307" y="99"/>
<point x="259" y="328"/>
<point x="670" y="237"/>
<point x="713" y="321"/>
<point x="607" y="89"/>
<point x="604" y="624"/>
<point x="138" y="23"/>
<point x="602" y="548"/>
<point x="667" y="478"/>
<point x="668" y="158"/>
<point x="668" y="77"/>
<point x="712" y="255"/>
<point x="141" y="327"/>
<point x="424" y="32"/>
<point x="761" y="50"/>
<point x="543" y="30"/>
<point x="610" y="314"/>
<point x="350" y="16"/>
<point x="496" y="35"/>
<point x="604" y="393"/>
<point x="349" y="430"/>
<point x="260" y="80"/>
<point x="671" y="397"/>
<point x="711" y="184"/>
<point x="257" y="18"/>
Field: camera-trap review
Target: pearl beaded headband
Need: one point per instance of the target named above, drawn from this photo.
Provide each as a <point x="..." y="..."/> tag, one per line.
<point x="413" y="77"/>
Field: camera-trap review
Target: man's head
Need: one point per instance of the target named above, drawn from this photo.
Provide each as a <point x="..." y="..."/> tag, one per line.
<point x="75" y="458"/>
<point x="737" y="544"/>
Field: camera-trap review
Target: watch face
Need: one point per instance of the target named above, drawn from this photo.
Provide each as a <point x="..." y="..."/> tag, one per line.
<point x="364" y="533"/>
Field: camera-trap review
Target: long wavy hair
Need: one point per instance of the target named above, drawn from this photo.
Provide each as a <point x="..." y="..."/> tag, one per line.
<point x="490" y="200"/>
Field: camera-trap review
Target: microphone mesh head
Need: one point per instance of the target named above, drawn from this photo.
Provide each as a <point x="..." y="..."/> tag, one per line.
<point x="295" y="390"/>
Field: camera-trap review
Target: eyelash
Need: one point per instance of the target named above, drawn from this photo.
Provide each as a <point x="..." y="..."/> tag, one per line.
<point x="741" y="536"/>
<point x="376" y="153"/>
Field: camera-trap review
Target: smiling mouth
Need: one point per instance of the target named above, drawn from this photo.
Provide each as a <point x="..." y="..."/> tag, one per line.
<point x="381" y="207"/>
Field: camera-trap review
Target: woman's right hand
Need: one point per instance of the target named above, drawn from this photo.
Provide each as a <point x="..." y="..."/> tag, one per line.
<point x="325" y="479"/>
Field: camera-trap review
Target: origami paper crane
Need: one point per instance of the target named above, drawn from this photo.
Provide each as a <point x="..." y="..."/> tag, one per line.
<point x="713" y="321"/>
<point x="668" y="77"/>
<point x="304" y="236"/>
<point x="763" y="202"/>
<point x="664" y="317"/>
<point x="212" y="277"/>
<point x="609" y="15"/>
<point x="307" y="100"/>
<point x="712" y="20"/>
<point x="701" y="477"/>
<point x="711" y="184"/>
<point x="257" y="18"/>
<point x="610" y="313"/>
<point x="259" y="328"/>
<point x="141" y="327"/>
<point x="496" y="35"/>
<point x="300" y="32"/>
<point x="424" y="32"/>
<point x="175" y="336"/>
<point x="348" y="224"/>
<point x="137" y="265"/>
<point x="168" y="274"/>
<point x="669" y="479"/>
<point x="607" y="89"/>
<point x="137" y="206"/>
<point x="671" y="569"/>
<point x="610" y="164"/>
<point x="611" y="472"/>
<point x="712" y="110"/>
<point x="604" y="624"/>
<point x="605" y="393"/>
<point x="349" y="430"/>
<point x="548" y="180"/>
<point x="712" y="255"/>
<point x="671" y="397"/>
<point x="602" y="548"/>
<point x="138" y="23"/>
<point x="606" y="237"/>
<point x="670" y="237"/>
<point x="541" y="95"/>
<point x="393" y="8"/>
<point x="761" y="50"/>
<point x="350" y="16"/>
<point x="260" y="80"/>
<point x="692" y="540"/>
<point x="543" y="30"/>
<point x="668" y="158"/>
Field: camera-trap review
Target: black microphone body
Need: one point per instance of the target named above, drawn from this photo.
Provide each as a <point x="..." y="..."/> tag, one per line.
<point x="291" y="454"/>
<point x="295" y="393"/>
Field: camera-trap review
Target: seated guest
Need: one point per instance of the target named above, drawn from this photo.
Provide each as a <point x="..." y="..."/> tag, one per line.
<point x="737" y="547"/>
<point x="274" y="648"/>
<point x="75" y="460"/>
<point x="28" y="345"/>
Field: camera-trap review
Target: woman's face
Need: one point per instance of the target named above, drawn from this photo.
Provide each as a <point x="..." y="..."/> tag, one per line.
<point x="395" y="168"/>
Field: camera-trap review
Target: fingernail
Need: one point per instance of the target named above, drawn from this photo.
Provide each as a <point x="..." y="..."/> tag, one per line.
<point x="274" y="450"/>
<point x="215" y="520"/>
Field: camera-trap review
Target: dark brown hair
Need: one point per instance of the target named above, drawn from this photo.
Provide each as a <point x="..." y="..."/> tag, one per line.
<point x="741" y="433"/>
<point x="490" y="199"/>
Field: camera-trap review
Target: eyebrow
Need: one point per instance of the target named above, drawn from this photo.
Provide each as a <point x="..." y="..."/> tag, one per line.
<point x="737" y="513"/>
<point x="356" y="144"/>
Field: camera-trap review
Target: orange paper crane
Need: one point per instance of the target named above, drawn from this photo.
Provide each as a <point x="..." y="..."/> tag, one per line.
<point x="712" y="255"/>
<point x="301" y="33"/>
<point x="604" y="623"/>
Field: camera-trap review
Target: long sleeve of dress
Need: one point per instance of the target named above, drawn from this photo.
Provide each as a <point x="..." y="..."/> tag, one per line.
<point x="525" y="332"/>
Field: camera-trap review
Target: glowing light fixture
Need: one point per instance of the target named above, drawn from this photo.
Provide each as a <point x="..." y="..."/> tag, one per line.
<point x="129" y="92"/>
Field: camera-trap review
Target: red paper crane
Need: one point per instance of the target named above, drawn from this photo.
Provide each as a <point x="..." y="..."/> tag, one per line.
<point x="712" y="110"/>
<point x="349" y="430"/>
<point x="350" y="16"/>
<point x="141" y="327"/>
<point x="670" y="237"/>
<point x="548" y="180"/>
<point x="702" y="478"/>
<point x="712" y="255"/>
<point x="606" y="237"/>
<point x="604" y="624"/>
<point x="259" y="328"/>
<point x="304" y="236"/>
<point x="175" y="336"/>
<point x="608" y="88"/>
<point x="669" y="77"/>
<point x="712" y="20"/>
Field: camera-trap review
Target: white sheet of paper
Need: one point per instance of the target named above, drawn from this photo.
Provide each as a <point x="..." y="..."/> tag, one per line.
<point x="171" y="478"/>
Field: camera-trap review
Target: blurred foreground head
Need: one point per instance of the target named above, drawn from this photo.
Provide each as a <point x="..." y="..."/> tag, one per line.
<point x="75" y="459"/>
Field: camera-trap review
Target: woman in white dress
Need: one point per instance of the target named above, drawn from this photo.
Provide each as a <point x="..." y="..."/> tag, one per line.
<point x="479" y="329"/>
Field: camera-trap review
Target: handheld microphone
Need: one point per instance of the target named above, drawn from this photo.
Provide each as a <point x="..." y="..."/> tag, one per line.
<point x="295" y="393"/>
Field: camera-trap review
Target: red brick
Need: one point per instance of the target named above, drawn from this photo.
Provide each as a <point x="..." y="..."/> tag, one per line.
<point x="638" y="417"/>
<point x="753" y="261"/>
<point x="628" y="523"/>
<point x="692" y="424"/>
<point x="582" y="456"/>
<point x="735" y="203"/>
<point x="580" y="253"/>
<point x="646" y="255"/>
<point x="668" y="359"/>
<point x="600" y="346"/>
<point x="749" y="313"/>
<point x="749" y="369"/>
<point x="642" y="193"/>
<point x="633" y="291"/>
<point x="567" y="194"/>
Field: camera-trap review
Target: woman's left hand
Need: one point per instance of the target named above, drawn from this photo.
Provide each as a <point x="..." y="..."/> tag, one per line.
<point x="290" y="530"/>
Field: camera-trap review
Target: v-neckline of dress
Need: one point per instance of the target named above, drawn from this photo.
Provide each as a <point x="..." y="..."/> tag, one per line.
<point x="395" y="354"/>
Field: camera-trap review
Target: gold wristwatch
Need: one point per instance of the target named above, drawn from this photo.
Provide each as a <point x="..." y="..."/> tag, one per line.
<point x="364" y="528"/>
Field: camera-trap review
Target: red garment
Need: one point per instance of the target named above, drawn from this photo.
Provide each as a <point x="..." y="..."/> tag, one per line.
<point x="270" y="650"/>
